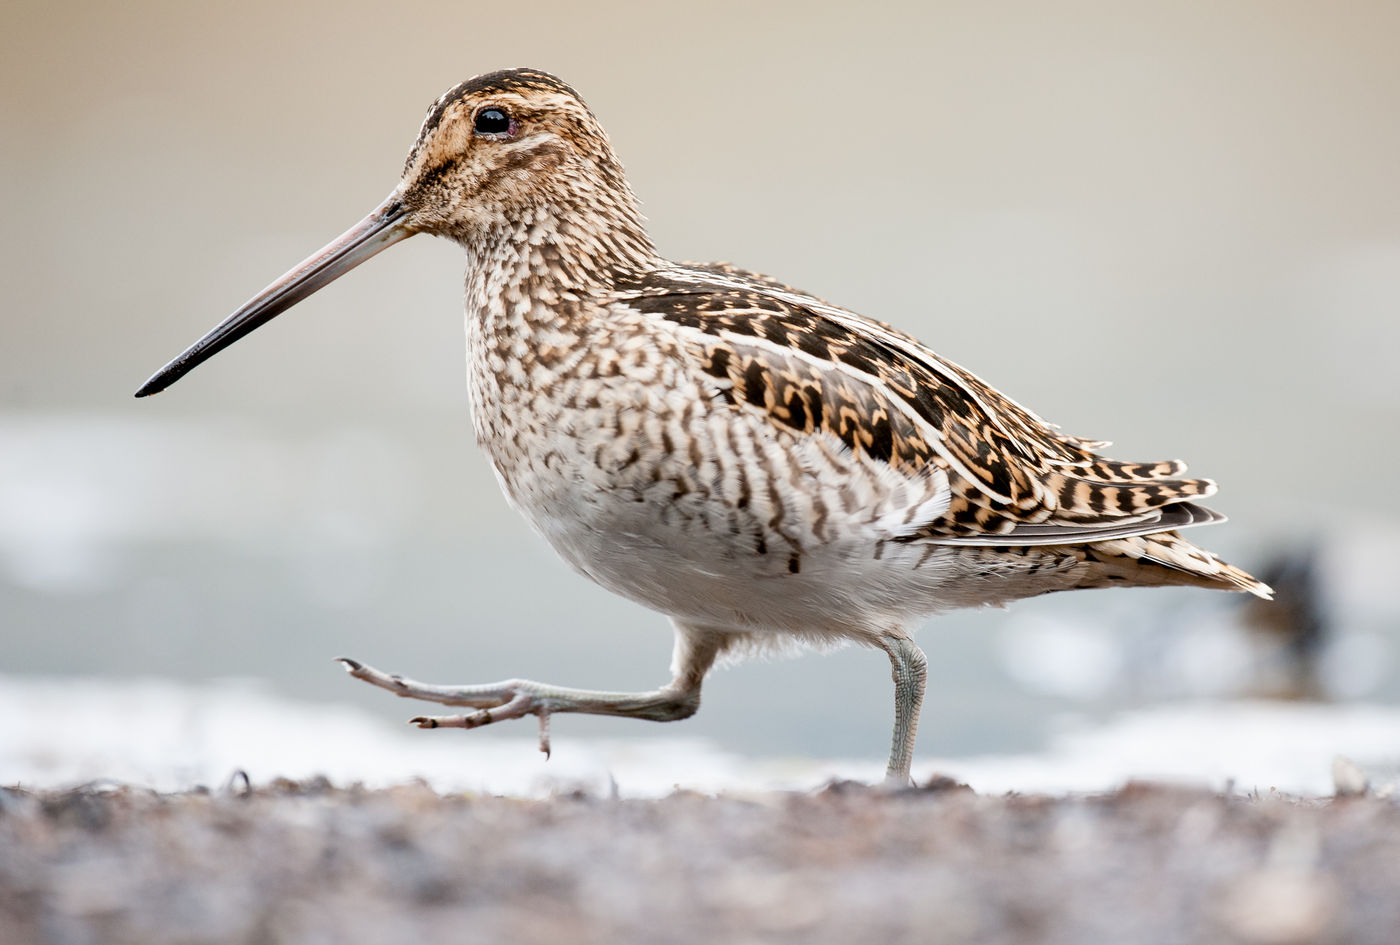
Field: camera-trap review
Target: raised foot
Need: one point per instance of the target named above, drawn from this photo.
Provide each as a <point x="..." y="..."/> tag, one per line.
<point x="522" y="705"/>
<point x="495" y="702"/>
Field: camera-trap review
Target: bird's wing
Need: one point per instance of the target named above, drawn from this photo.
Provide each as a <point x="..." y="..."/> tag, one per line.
<point x="811" y="366"/>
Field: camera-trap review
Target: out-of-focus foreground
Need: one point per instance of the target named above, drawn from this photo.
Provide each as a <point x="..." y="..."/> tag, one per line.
<point x="308" y="863"/>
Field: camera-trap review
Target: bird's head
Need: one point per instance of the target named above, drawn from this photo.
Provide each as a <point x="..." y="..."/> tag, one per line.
<point x="498" y="148"/>
<point x="508" y="155"/>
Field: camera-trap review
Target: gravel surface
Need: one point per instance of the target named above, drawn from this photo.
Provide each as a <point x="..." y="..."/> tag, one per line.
<point x="311" y="863"/>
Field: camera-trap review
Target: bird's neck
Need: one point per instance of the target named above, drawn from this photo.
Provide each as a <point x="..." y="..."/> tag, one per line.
<point x="563" y="248"/>
<point x="536" y="290"/>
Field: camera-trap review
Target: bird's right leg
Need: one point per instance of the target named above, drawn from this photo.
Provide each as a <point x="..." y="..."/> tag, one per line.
<point x="909" y="667"/>
<point x="695" y="652"/>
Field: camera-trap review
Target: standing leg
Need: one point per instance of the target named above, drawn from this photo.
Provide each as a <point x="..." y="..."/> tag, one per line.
<point x="695" y="652"/>
<point x="909" y="667"/>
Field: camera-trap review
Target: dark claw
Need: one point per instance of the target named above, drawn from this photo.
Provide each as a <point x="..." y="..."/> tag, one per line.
<point x="351" y="666"/>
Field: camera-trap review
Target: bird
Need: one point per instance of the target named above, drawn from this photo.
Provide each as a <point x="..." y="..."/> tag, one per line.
<point x="767" y="469"/>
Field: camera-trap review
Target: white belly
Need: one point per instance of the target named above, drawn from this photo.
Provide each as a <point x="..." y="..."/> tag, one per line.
<point x="734" y="525"/>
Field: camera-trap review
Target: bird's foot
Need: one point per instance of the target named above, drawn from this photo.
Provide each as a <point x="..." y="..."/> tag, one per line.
<point x="515" y="698"/>
<point x="494" y="702"/>
<point x="521" y="705"/>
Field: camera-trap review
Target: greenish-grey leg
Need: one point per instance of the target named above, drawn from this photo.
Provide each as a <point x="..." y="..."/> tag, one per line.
<point x="696" y="649"/>
<point x="909" y="667"/>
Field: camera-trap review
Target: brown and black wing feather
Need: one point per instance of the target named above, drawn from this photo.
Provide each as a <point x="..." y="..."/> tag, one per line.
<point x="1016" y="480"/>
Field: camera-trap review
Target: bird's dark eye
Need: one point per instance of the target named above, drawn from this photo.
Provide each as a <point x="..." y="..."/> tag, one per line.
<point x="492" y="121"/>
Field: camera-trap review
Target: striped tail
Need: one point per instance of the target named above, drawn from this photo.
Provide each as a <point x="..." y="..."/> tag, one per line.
<point x="1164" y="558"/>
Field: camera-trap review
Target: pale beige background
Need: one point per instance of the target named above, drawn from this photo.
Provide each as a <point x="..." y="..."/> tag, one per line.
<point x="1175" y="225"/>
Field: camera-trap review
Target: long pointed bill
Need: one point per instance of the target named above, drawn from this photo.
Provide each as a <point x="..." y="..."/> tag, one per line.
<point x="380" y="230"/>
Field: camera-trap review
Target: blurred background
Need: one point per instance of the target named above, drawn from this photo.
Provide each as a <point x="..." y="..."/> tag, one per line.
<point x="1176" y="226"/>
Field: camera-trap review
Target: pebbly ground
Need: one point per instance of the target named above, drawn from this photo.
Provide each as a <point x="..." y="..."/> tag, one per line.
<point x="311" y="863"/>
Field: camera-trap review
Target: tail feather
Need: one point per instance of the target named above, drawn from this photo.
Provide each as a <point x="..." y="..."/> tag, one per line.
<point x="1164" y="558"/>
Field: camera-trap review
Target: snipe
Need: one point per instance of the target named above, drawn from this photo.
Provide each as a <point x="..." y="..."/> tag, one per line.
<point x="759" y="465"/>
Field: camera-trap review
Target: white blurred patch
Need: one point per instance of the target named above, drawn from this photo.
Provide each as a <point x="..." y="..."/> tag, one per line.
<point x="171" y="736"/>
<point x="75" y="489"/>
<point x="1252" y="745"/>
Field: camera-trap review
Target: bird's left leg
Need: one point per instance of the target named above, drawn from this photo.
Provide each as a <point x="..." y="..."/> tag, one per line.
<point x="695" y="652"/>
<point x="909" y="667"/>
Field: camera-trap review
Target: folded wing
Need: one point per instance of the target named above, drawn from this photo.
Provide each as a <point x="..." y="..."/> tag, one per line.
<point x="810" y="366"/>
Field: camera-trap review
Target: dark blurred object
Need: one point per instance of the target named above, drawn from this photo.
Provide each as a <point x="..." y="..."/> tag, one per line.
<point x="1291" y="630"/>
